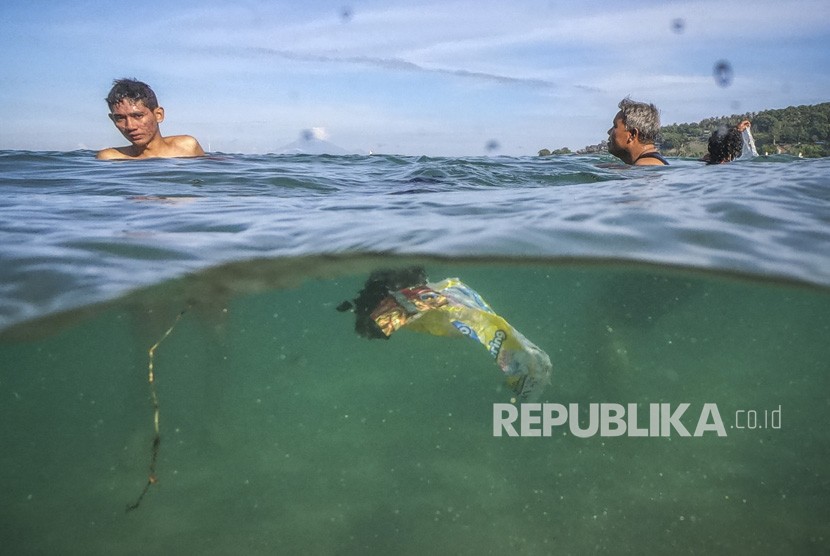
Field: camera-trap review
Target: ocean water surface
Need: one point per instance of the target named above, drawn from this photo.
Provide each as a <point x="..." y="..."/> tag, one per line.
<point x="284" y="431"/>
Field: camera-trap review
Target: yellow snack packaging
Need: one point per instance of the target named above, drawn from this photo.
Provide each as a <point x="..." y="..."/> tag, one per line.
<point x="449" y="308"/>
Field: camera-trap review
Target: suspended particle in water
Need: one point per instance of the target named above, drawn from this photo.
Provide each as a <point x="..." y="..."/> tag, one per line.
<point x="492" y="146"/>
<point x="723" y="73"/>
<point x="307" y="135"/>
<point x="678" y="25"/>
<point x="345" y="14"/>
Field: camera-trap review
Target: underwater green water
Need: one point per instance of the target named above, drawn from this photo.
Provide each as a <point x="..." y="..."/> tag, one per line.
<point x="283" y="432"/>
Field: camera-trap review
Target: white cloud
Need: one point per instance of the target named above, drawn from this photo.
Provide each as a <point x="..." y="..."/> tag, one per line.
<point x="319" y="133"/>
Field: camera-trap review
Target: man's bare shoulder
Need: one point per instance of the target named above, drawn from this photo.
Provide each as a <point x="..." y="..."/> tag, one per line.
<point x="113" y="153"/>
<point x="184" y="145"/>
<point x="176" y="146"/>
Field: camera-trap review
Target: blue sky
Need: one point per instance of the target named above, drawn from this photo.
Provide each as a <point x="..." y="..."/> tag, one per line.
<point x="435" y="77"/>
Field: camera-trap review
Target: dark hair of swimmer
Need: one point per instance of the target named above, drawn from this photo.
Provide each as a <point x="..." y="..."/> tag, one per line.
<point x="725" y="145"/>
<point x="134" y="90"/>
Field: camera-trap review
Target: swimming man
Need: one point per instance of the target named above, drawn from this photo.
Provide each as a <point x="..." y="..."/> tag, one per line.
<point x="135" y="112"/>
<point x="632" y="137"/>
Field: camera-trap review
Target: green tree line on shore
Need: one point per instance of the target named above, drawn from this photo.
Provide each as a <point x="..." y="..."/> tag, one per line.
<point x="796" y="130"/>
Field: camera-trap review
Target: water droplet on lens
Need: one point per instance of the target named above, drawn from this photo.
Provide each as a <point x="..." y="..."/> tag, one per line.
<point x="678" y="25"/>
<point x="492" y="145"/>
<point x="723" y="73"/>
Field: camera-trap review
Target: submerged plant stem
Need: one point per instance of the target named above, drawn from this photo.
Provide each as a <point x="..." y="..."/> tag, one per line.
<point x="151" y="377"/>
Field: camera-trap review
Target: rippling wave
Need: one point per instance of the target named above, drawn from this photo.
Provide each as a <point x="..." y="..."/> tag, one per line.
<point x="77" y="230"/>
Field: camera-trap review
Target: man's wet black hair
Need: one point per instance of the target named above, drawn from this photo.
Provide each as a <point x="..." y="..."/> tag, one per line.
<point x="725" y="145"/>
<point x="380" y="284"/>
<point x="133" y="90"/>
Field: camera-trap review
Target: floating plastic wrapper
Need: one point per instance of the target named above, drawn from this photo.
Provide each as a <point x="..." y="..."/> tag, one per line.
<point x="449" y="308"/>
<point x="748" y="150"/>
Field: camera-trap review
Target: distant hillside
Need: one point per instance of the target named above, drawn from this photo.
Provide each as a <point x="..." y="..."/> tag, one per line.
<point x="311" y="145"/>
<point x="313" y="141"/>
<point x="797" y="130"/>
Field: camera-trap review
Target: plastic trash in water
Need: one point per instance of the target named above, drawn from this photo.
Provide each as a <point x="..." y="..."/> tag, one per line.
<point x="748" y="150"/>
<point x="395" y="299"/>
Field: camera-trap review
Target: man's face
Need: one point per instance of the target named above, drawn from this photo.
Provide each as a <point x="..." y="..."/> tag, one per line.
<point x="136" y="122"/>
<point x="618" y="136"/>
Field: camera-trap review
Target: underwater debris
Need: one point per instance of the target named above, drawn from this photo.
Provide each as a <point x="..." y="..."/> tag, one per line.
<point x="393" y="299"/>
<point x="151" y="378"/>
